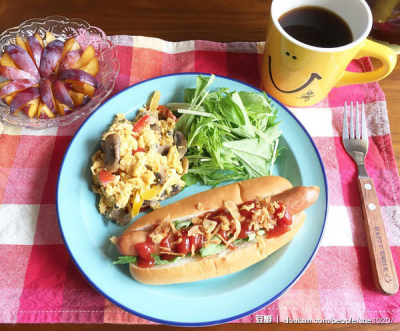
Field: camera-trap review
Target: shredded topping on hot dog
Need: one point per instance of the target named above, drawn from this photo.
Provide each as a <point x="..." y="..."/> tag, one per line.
<point x="247" y="207"/>
<point x="233" y="210"/>
<point x="163" y="230"/>
<point x="225" y="225"/>
<point x="195" y="230"/>
<point x="261" y="218"/>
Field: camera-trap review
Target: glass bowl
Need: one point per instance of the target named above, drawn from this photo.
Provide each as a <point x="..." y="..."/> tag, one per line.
<point x="63" y="28"/>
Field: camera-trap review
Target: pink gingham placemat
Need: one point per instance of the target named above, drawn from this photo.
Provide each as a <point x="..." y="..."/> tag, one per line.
<point x="39" y="282"/>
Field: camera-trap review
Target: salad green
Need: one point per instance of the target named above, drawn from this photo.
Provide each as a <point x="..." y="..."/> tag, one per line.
<point x="230" y="135"/>
<point x="126" y="259"/>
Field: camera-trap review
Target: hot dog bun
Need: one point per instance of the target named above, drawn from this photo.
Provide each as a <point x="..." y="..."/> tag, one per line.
<point x="228" y="261"/>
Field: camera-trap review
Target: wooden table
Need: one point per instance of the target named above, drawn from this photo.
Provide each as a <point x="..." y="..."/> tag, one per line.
<point x="174" y="20"/>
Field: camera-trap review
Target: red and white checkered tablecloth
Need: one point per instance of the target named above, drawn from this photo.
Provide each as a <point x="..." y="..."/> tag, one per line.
<point x="39" y="282"/>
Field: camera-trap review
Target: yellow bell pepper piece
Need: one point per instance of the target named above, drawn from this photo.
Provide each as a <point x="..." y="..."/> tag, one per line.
<point x="137" y="204"/>
<point x="151" y="193"/>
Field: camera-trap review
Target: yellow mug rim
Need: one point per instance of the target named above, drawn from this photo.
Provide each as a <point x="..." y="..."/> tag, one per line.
<point x="354" y="43"/>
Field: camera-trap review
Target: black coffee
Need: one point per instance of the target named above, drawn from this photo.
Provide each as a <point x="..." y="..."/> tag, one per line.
<point x="316" y="26"/>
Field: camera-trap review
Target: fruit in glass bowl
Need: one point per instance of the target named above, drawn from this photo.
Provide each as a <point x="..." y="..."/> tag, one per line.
<point x="54" y="71"/>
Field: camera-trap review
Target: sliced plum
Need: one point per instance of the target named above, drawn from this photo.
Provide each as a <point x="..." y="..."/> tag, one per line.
<point x="35" y="49"/>
<point x="62" y="95"/>
<point x="70" y="59"/>
<point x="50" y="57"/>
<point x="46" y="94"/>
<point x="15" y="73"/>
<point x="76" y="75"/>
<point x="16" y="86"/>
<point x="22" y="59"/>
<point x="23" y="98"/>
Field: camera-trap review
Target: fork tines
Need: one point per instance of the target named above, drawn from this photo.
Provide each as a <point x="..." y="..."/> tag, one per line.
<point x="364" y="134"/>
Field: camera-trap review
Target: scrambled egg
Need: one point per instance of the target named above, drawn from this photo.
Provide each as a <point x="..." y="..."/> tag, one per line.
<point x="149" y="168"/>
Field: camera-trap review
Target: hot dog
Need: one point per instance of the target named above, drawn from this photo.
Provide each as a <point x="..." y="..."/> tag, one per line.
<point x="215" y="232"/>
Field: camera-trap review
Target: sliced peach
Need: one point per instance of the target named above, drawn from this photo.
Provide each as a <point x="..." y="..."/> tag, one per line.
<point x="87" y="56"/>
<point x="76" y="97"/>
<point x="68" y="45"/>
<point x="92" y="67"/>
<point x="33" y="107"/>
<point x="75" y="46"/>
<point x="7" y="61"/>
<point x="9" y="98"/>
<point x="62" y="109"/>
<point x="40" y="39"/>
<point x="21" y="42"/>
<point x="44" y="111"/>
<point x="83" y="88"/>
<point x="49" y="37"/>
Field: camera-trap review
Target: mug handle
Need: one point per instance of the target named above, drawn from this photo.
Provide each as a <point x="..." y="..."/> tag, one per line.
<point x="375" y="50"/>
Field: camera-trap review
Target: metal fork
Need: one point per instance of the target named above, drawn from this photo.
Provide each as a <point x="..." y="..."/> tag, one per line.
<point x="384" y="272"/>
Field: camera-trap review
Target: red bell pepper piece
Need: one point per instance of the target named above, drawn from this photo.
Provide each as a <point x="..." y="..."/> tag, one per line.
<point x="139" y="126"/>
<point x="164" y="113"/>
<point x="106" y="177"/>
<point x="140" y="149"/>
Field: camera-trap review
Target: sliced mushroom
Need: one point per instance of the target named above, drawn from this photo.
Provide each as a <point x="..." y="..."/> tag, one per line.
<point x="161" y="175"/>
<point x="152" y="204"/>
<point x="112" y="155"/>
<point x="180" y="143"/>
<point x="174" y="191"/>
<point x="118" y="216"/>
<point x="155" y="128"/>
<point x="164" y="149"/>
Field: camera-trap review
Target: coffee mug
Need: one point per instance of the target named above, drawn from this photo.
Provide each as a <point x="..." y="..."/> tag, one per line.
<point x="298" y="74"/>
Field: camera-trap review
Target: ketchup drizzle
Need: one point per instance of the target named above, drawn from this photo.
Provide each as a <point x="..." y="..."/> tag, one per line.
<point x="145" y="260"/>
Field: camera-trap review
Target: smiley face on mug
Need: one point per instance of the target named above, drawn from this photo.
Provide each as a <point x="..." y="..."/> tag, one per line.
<point x="295" y="61"/>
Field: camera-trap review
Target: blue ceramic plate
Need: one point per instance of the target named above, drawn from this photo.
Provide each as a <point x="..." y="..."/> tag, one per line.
<point x="86" y="233"/>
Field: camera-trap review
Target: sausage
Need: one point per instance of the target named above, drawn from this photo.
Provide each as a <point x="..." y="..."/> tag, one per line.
<point x="298" y="198"/>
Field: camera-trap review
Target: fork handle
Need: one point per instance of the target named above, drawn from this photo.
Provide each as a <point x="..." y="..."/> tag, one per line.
<point x="383" y="269"/>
